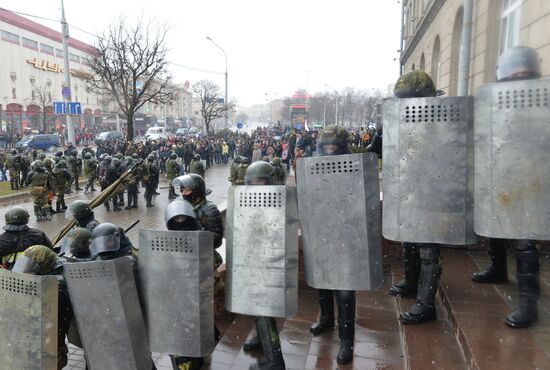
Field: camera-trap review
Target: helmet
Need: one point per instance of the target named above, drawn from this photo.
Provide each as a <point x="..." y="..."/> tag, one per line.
<point x="150" y="158"/>
<point x="80" y="210"/>
<point x="191" y="181"/>
<point x="105" y="238"/>
<point x="197" y="157"/>
<point x="38" y="166"/>
<point x="173" y="156"/>
<point x="135" y="155"/>
<point x="108" y="159"/>
<point x="259" y="173"/>
<point x="102" y="156"/>
<point x="88" y="156"/>
<point x="14" y="152"/>
<point x="119" y="156"/>
<point x="76" y="243"/>
<point x="237" y="159"/>
<point x="265" y="158"/>
<point x="48" y="162"/>
<point x="16" y="219"/>
<point x="245" y="160"/>
<point x="62" y="163"/>
<point x="41" y="156"/>
<point x="332" y="135"/>
<point x="36" y="260"/>
<point x="414" y="84"/>
<point x="180" y="208"/>
<point x="518" y="63"/>
<point x="115" y="162"/>
<point x="59" y="154"/>
<point x="276" y="161"/>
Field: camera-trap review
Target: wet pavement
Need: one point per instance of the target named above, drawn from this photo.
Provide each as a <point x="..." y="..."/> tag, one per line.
<point x="469" y="332"/>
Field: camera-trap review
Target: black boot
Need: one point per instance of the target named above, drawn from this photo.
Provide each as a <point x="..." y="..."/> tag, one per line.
<point x="252" y="342"/>
<point x="529" y="290"/>
<point x="497" y="271"/>
<point x="407" y="287"/>
<point x="326" y="317"/>
<point x="269" y="336"/>
<point x="430" y="270"/>
<point x="57" y="207"/>
<point x="149" y="200"/>
<point x="346" y="325"/>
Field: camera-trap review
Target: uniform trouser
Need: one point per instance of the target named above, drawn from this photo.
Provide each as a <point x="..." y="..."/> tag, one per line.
<point x="149" y="191"/>
<point x="345" y="300"/>
<point x="90" y="183"/>
<point x="132" y="196"/>
<point x="171" y="191"/>
<point x="430" y="272"/>
<point x="23" y="178"/>
<point x="41" y="206"/>
<point x="60" y="203"/>
<point x="76" y="185"/>
<point x="14" y="179"/>
<point x="106" y="203"/>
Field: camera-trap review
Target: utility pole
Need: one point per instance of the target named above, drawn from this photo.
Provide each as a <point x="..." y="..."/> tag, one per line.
<point x="226" y="101"/>
<point x="67" y="74"/>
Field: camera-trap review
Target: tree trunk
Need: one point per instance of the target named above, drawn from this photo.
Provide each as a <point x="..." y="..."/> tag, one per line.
<point x="44" y="121"/>
<point x="207" y="126"/>
<point x="130" y="128"/>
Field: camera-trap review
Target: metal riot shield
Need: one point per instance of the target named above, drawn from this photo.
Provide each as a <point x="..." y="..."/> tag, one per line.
<point x="512" y="167"/>
<point x="108" y="314"/>
<point x="28" y="321"/>
<point x="428" y="170"/>
<point x="339" y="207"/>
<point x="262" y="251"/>
<point x="176" y="286"/>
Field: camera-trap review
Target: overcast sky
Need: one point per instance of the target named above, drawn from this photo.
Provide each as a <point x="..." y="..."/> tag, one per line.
<point x="273" y="47"/>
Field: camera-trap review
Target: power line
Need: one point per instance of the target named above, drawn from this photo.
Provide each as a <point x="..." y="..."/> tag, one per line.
<point x="93" y="34"/>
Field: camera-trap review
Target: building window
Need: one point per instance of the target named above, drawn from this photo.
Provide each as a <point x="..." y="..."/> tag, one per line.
<point x="510" y="24"/>
<point x="74" y="58"/>
<point x="49" y="83"/>
<point x="13" y="93"/>
<point x="10" y="37"/>
<point x="59" y="53"/>
<point x="31" y="44"/>
<point x="32" y="80"/>
<point x="46" y="49"/>
<point x="13" y="76"/>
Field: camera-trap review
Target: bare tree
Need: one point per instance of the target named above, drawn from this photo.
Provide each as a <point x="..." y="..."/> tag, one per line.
<point x="211" y="102"/>
<point x="44" y="98"/>
<point x="130" y="65"/>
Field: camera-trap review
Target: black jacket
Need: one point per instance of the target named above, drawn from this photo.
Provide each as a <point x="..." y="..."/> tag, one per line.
<point x="13" y="242"/>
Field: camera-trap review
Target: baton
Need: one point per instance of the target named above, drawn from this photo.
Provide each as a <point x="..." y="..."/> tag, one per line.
<point x="131" y="226"/>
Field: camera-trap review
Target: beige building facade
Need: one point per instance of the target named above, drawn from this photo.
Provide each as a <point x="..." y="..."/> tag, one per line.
<point x="432" y="37"/>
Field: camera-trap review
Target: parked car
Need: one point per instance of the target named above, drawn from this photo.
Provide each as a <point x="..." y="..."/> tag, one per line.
<point x="182" y="131"/>
<point x="40" y="141"/>
<point x="156" y="133"/>
<point x="108" y="136"/>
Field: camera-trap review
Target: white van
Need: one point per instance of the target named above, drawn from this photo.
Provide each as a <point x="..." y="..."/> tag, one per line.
<point x="156" y="133"/>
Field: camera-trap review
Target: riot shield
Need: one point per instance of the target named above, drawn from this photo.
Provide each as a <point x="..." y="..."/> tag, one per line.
<point x="176" y="285"/>
<point x="108" y="314"/>
<point x="339" y="207"/>
<point x="262" y="251"/>
<point x="512" y="167"/>
<point x="428" y="170"/>
<point x="28" y="321"/>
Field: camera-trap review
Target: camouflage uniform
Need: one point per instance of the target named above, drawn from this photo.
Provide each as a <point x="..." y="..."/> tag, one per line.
<point x="280" y="174"/>
<point x="61" y="177"/>
<point x="25" y="166"/>
<point x="14" y="166"/>
<point x="40" y="181"/>
<point x="197" y="167"/>
<point x="172" y="171"/>
<point x="90" y="171"/>
<point x="234" y="170"/>
<point x="241" y="172"/>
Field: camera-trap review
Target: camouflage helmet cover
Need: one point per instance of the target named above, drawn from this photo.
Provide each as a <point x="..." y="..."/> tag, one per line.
<point x="414" y="84"/>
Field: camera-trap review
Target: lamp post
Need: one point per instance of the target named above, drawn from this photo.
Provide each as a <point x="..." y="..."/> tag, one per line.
<point x="336" y="109"/>
<point x="67" y="73"/>
<point x="225" y="54"/>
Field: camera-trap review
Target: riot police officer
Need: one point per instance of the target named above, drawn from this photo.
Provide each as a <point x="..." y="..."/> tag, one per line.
<point x="118" y="199"/>
<point x="151" y="180"/>
<point x="197" y="166"/>
<point x="89" y="168"/>
<point x="84" y="215"/>
<point x="40" y="182"/>
<point x="422" y="261"/>
<point x="517" y="63"/>
<point x="112" y="174"/>
<point x="280" y="174"/>
<point x="61" y="178"/>
<point x="102" y="176"/>
<point x="241" y="172"/>
<point x="131" y="186"/>
<point x="76" y="245"/>
<point x="14" y="166"/>
<point x="172" y="171"/>
<point x="262" y="173"/>
<point x="25" y="165"/>
<point x="233" y="170"/>
<point x="333" y="141"/>
<point x="109" y="242"/>
<point x="41" y="260"/>
<point x="18" y="236"/>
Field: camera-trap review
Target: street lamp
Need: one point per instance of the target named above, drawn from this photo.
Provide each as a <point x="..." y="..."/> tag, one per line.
<point x="336" y="109"/>
<point x="225" y="54"/>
